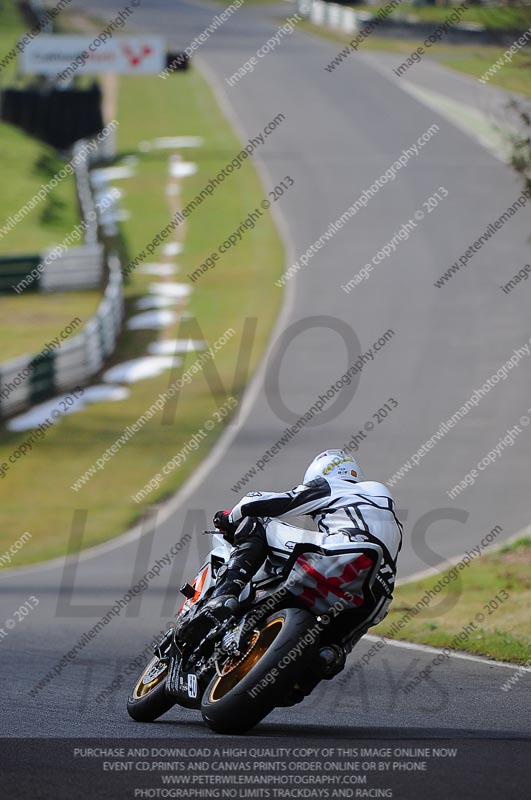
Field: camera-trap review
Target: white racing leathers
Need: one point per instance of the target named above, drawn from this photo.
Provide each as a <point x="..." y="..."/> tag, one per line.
<point x="351" y="517"/>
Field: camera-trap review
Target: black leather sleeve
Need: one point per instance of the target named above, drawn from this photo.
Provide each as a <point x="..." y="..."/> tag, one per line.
<point x="303" y="499"/>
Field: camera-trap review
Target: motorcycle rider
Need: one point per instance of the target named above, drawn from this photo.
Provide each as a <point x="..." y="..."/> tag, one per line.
<point x="344" y="505"/>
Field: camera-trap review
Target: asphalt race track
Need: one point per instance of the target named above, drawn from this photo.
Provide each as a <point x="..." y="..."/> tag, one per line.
<point x="342" y="130"/>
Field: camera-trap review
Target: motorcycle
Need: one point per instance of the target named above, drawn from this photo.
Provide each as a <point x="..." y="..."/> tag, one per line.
<point x="296" y="621"/>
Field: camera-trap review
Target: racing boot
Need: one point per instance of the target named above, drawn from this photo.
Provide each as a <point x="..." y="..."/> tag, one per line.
<point x="248" y="555"/>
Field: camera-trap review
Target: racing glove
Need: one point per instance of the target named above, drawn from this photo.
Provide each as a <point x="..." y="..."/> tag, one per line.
<point x="222" y="523"/>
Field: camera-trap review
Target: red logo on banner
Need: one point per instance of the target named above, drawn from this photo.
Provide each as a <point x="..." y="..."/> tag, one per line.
<point x="136" y="58"/>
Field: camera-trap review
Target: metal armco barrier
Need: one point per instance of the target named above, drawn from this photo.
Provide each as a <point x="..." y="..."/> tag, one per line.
<point x="332" y="15"/>
<point x="348" y="20"/>
<point x="78" y="268"/>
<point x="68" y="363"/>
<point x="33" y="378"/>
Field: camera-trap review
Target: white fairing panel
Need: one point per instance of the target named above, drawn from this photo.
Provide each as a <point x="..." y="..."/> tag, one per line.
<point x="220" y="547"/>
<point x="204" y="578"/>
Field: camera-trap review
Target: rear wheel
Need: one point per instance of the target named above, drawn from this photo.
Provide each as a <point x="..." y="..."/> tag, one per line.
<point x="250" y="687"/>
<point x="149" y="699"/>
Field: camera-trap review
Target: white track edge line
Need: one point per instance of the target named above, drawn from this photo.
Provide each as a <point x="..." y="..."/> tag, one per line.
<point x="454" y="654"/>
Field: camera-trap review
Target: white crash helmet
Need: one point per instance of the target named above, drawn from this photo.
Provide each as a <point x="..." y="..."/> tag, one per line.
<point x="334" y="464"/>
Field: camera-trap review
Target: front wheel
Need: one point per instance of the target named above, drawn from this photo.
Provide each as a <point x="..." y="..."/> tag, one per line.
<point x="250" y="687"/>
<point x="149" y="699"/>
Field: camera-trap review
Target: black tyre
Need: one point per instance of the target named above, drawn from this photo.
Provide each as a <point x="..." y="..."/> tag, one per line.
<point x="148" y="699"/>
<point x="249" y="688"/>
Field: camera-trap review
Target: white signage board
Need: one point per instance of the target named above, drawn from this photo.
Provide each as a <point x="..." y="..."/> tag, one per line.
<point x="66" y="56"/>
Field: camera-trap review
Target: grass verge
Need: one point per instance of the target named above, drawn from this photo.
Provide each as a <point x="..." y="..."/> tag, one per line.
<point x="498" y="18"/>
<point x="11" y="28"/>
<point x="241" y="285"/>
<point x="470" y="59"/>
<point x="26" y="165"/>
<point x="226" y="3"/>
<point x="492" y="596"/>
<point x="28" y="322"/>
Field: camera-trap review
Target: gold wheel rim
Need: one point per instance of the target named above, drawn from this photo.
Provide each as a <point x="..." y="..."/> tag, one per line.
<point x="142" y="689"/>
<point x="236" y="670"/>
